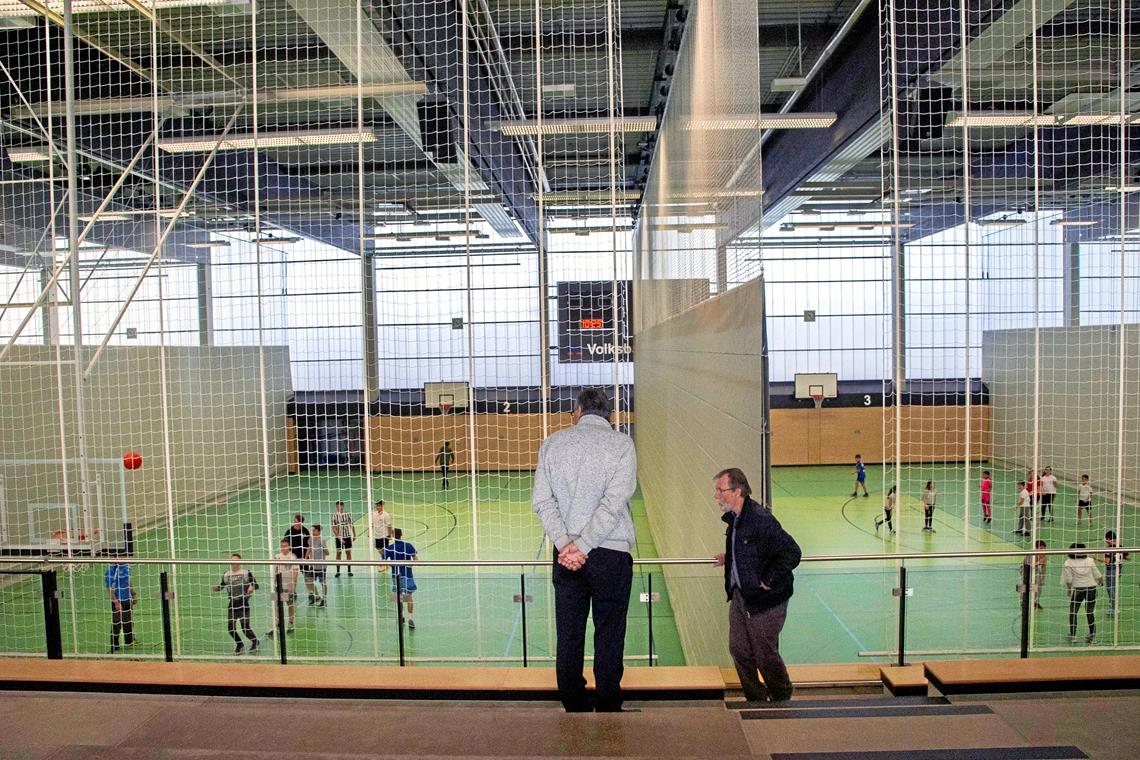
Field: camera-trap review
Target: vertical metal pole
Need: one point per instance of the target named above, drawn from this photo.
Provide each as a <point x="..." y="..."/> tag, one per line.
<point x="52" y="636"/>
<point x="522" y="601"/>
<point x="164" y="598"/>
<point x="902" y="617"/>
<point x="279" y="601"/>
<point x="399" y="616"/>
<point x="1026" y="595"/>
<point x="649" y="616"/>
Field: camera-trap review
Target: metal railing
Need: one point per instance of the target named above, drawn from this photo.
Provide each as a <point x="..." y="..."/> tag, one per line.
<point x="48" y="567"/>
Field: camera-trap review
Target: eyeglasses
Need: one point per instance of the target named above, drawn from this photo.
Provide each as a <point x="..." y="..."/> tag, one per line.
<point x="722" y="490"/>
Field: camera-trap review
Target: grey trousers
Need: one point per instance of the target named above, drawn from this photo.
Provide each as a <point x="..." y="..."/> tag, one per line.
<point x="754" y="643"/>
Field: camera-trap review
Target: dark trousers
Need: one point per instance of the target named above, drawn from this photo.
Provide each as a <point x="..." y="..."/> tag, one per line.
<point x="122" y="622"/>
<point x="443" y="470"/>
<point x="754" y="643"/>
<point x="239" y="616"/>
<point x="603" y="582"/>
<point x="1088" y="596"/>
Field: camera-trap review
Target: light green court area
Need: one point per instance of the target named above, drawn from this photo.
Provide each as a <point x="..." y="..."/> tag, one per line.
<point x="841" y="612"/>
<point x="844" y="612"/>
<point x="461" y="614"/>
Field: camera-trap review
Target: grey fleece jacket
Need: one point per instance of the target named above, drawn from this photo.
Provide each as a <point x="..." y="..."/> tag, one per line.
<point x="582" y="486"/>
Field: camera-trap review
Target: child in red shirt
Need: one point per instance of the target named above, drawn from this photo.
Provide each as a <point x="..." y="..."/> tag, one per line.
<point x="987" y="492"/>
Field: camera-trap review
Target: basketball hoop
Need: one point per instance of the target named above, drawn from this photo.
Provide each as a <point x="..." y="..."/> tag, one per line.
<point x="818" y="399"/>
<point x="445" y="406"/>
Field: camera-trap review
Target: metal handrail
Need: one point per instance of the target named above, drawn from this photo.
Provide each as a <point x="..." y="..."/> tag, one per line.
<point x="696" y="561"/>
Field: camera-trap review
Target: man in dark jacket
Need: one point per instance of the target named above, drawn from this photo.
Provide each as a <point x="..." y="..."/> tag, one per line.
<point x="758" y="562"/>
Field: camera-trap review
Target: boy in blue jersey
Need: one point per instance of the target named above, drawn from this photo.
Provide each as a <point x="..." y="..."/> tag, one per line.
<point x="117" y="581"/>
<point x="403" y="583"/>
<point x="860" y="476"/>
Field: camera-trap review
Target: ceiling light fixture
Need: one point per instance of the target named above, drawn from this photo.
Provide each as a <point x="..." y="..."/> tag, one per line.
<point x="15" y="8"/>
<point x="209" y="244"/>
<point x="999" y="223"/>
<point x="601" y="125"/>
<point x="1073" y="222"/>
<point x="1000" y="119"/>
<point x="269" y="240"/>
<point x="28" y="155"/>
<point x="1125" y="189"/>
<point x="107" y="216"/>
<point x="788" y="84"/>
<point x="1094" y="119"/>
<point x="850" y="225"/>
<point x="820" y="120"/>
<point x="266" y="140"/>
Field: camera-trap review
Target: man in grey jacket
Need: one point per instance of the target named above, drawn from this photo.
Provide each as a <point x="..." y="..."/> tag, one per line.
<point x="582" y="485"/>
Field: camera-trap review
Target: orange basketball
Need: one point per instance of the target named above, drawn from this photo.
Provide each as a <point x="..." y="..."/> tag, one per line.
<point x="132" y="460"/>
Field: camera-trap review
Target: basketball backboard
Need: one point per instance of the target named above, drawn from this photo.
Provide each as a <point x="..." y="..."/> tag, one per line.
<point x="809" y="384"/>
<point x="456" y="394"/>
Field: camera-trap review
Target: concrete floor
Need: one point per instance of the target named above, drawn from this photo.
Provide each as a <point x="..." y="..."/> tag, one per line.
<point x="130" y="727"/>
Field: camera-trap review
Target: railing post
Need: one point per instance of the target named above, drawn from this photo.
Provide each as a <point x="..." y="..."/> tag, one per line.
<point x="54" y="640"/>
<point x="165" y="596"/>
<point x="399" y="616"/>
<point x="902" y="616"/>
<point x="279" y="601"/>
<point x="649" y="617"/>
<point x="522" y="601"/>
<point x="1026" y="594"/>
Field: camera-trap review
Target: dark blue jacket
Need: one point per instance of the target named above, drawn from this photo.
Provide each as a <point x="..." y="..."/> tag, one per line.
<point x="764" y="553"/>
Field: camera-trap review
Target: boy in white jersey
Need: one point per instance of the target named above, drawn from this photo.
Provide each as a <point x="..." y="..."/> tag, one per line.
<point x="239" y="584"/>
<point x="287" y="571"/>
<point x="1048" y="491"/>
<point x="1084" y="499"/>
<point x="316" y="576"/>
<point x="381" y="522"/>
<point x="344" y="528"/>
<point x="1024" y="509"/>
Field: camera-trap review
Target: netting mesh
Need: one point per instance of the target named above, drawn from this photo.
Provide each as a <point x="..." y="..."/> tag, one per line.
<point x="309" y="259"/>
<point x="295" y="253"/>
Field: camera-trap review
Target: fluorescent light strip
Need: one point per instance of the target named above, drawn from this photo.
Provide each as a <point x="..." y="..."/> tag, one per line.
<point x="820" y="120"/>
<point x="276" y="240"/>
<point x="1094" y="119"/>
<point x="1000" y="119"/>
<point x="999" y="222"/>
<point x="442" y="235"/>
<point x="209" y="244"/>
<point x="1074" y="222"/>
<point x="851" y="225"/>
<point x="9" y="8"/>
<point x="524" y="127"/>
<point x="108" y="216"/>
<point x="266" y="140"/>
<point x="1126" y="188"/>
<point x="28" y="155"/>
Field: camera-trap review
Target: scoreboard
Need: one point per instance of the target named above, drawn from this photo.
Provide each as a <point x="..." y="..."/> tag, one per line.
<point x="587" y="314"/>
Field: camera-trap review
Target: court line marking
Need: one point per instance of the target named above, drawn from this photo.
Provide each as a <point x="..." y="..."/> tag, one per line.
<point x="842" y="625"/>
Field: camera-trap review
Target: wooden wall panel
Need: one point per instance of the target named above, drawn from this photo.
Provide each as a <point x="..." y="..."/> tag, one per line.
<point x="504" y="441"/>
<point x="835" y="436"/>
<point x="799" y="437"/>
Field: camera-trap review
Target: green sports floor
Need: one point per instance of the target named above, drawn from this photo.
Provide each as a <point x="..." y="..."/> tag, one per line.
<point x="841" y="612"/>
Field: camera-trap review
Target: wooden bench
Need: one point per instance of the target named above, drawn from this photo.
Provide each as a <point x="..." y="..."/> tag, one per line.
<point x="905" y="680"/>
<point x="334" y="681"/>
<point x="1039" y="674"/>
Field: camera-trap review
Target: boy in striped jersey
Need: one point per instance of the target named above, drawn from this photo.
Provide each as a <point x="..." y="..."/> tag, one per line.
<point x="239" y="584"/>
<point x="344" y="528"/>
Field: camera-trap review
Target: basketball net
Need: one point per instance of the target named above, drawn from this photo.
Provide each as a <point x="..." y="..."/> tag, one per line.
<point x="445" y="406"/>
<point x="818" y="399"/>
